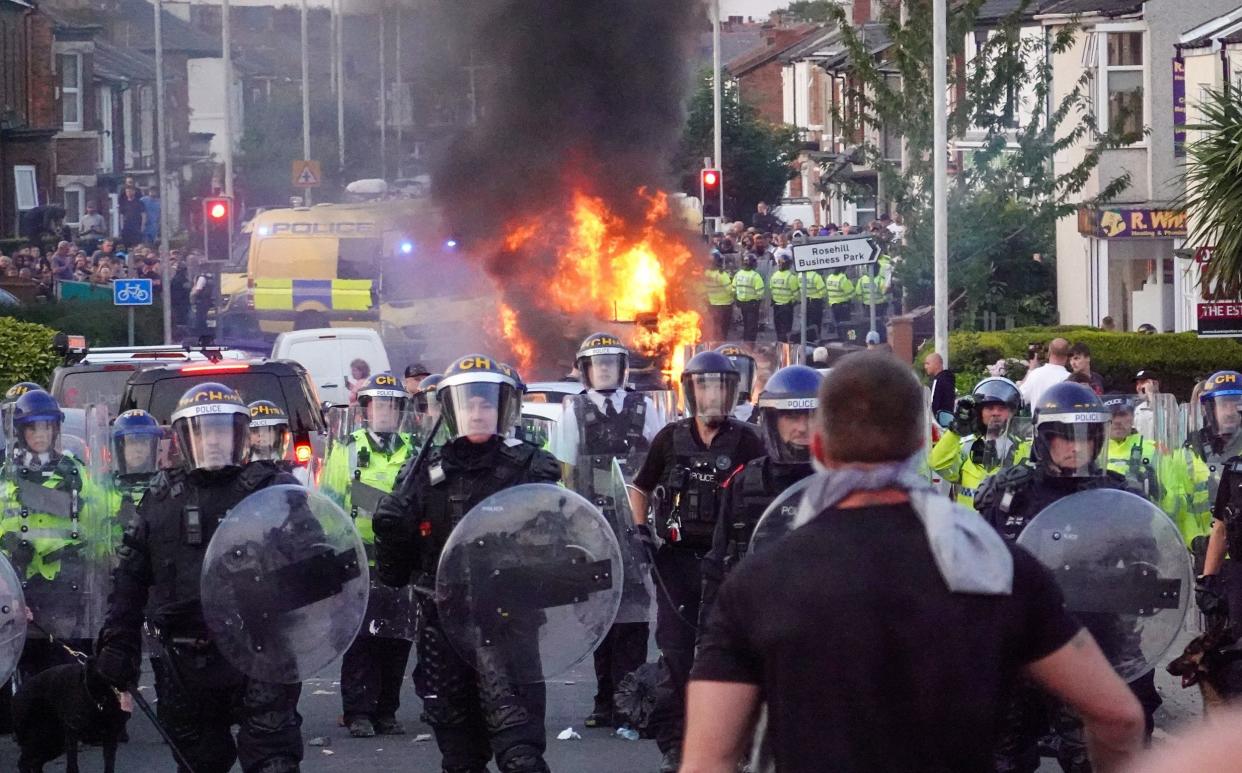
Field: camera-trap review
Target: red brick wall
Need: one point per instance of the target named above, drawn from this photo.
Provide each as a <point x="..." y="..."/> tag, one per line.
<point x="762" y="88"/>
<point x="76" y="155"/>
<point x="43" y="110"/>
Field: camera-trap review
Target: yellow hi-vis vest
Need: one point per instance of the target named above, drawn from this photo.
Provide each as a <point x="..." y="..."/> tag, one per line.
<point x="748" y="285"/>
<point x="784" y="287"/>
<point x="840" y="288"/>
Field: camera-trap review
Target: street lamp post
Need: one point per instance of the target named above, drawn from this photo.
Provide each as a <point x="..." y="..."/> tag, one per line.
<point x="940" y="178"/>
<point x="161" y="166"/>
<point x="306" y="149"/>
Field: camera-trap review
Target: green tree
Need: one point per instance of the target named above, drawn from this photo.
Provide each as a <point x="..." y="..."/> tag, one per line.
<point x="1006" y="198"/>
<point x="757" y="158"/>
<point x="1214" y="191"/>
<point x="814" y="11"/>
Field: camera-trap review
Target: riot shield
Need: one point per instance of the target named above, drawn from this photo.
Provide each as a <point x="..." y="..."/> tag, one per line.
<point x="777" y="520"/>
<point x="12" y="620"/>
<point x="284" y="584"/>
<point x="56" y="531"/>
<point x="1142" y="432"/>
<point x="528" y="582"/>
<point x="1123" y="569"/>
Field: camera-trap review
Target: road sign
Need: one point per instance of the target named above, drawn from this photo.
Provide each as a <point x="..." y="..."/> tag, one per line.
<point x="837" y="252"/>
<point x="306" y="174"/>
<point x="1203" y="254"/>
<point x="132" y="292"/>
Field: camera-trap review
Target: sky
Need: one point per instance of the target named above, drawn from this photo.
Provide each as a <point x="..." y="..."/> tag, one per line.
<point x="756" y="8"/>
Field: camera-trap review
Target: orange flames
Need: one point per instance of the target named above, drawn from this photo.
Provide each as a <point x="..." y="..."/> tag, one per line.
<point x="520" y="345"/>
<point x="612" y="270"/>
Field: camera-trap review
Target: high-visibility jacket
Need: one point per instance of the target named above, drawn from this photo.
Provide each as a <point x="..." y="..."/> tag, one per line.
<point x="870" y="290"/>
<point x="816" y="288"/>
<point x="748" y="285"/>
<point x="784" y="287"/>
<point x="840" y="288"/>
<point x="1136" y="458"/>
<point x="38" y="541"/>
<point x="964" y="463"/>
<point x="719" y="287"/>
<point x="358" y="461"/>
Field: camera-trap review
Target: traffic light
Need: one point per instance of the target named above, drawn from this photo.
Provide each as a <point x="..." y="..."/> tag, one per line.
<point x="710" y="192"/>
<point x="218" y="228"/>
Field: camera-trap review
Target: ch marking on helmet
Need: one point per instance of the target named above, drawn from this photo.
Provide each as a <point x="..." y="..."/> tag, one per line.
<point x="1224" y="378"/>
<point x="385" y="380"/>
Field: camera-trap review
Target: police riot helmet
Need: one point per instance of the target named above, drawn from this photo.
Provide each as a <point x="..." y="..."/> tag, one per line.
<point x="749" y="260"/>
<point x="709" y="385"/>
<point x="424" y="400"/>
<point x="212" y="427"/>
<point x="793" y="393"/>
<point x="998" y="389"/>
<point x="382" y="399"/>
<point x="479" y="398"/>
<point x="785" y="260"/>
<point x="136" y="443"/>
<point x="744" y="362"/>
<point x="17" y="390"/>
<point x="1221" y="401"/>
<point x="603" y="362"/>
<point x="1070" y="422"/>
<point x="34" y="410"/>
<point x="270" y="436"/>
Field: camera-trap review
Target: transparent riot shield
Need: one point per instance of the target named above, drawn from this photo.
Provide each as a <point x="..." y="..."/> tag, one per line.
<point x="664" y="404"/>
<point x="1142" y="432"/>
<point x="777" y="520"/>
<point x="54" y="528"/>
<point x="529" y="582"/>
<point x="608" y="477"/>
<point x="360" y="469"/>
<point x="284" y="584"/>
<point x="1123" y="569"/>
<point x="12" y="620"/>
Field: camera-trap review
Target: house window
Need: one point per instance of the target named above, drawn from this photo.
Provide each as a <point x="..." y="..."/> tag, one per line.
<point x="1121" y="81"/>
<point x="27" y="187"/>
<point x="75" y="196"/>
<point x="70" y="66"/>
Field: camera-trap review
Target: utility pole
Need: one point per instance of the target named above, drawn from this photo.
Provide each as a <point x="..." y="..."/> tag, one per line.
<point x="717" y="139"/>
<point x="340" y="88"/>
<point x="161" y="148"/>
<point x="383" y="63"/>
<point x="400" y="106"/>
<point x="306" y="149"/>
<point x="226" y="44"/>
<point x="940" y="183"/>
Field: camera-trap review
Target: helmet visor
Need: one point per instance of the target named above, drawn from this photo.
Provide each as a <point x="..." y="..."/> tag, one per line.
<point x="1222" y="414"/>
<point x="746" y="375"/>
<point x="604" y="371"/>
<point x="136" y="454"/>
<point x="478" y="410"/>
<point x="38" y="436"/>
<point x="271" y="443"/>
<point x="787" y="434"/>
<point x="383" y="414"/>
<point x="214" y="441"/>
<point x="711" y="395"/>
<point x="1072" y="450"/>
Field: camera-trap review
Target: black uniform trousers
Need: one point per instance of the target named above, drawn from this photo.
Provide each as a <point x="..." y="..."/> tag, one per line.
<point x="623" y="650"/>
<point x="678" y="580"/>
<point x="722" y="320"/>
<point x="782" y="320"/>
<point x="750" y="319"/>
<point x="841" y="313"/>
<point x="814" y="319"/>
<point x="372" y="671"/>
<point x="477" y="714"/>
<point x="201" y="697"/>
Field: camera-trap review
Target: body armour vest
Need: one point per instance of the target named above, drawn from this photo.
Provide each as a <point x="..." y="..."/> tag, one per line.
<point x="685" y="500"/>
<point x="602" y="438"/>
<point x="759" y="482"/>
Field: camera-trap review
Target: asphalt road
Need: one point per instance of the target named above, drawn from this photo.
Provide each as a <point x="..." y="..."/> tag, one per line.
<point x="569" y="699"/>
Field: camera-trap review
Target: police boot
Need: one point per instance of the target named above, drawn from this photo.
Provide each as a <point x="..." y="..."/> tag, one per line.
<point x="361" y="727"/>
<point x="388" y="726"/>
<point x="671" y="762"/>
<point x="522" y="759"/>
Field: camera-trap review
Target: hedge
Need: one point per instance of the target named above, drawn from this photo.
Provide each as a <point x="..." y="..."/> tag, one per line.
<point x="25" y="352"/>
<point x="1178" y="359"/>
<point x="102" y="323"/>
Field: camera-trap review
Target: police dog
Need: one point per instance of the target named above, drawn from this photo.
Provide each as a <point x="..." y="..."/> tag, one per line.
<point x="62" y="706"/>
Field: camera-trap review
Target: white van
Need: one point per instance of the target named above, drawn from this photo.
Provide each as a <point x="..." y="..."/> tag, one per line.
<point x="327" y="352"/>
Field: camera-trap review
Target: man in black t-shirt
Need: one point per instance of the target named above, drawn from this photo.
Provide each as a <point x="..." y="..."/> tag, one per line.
<point x="680" y="480"/>
<point x="886" y="631"/>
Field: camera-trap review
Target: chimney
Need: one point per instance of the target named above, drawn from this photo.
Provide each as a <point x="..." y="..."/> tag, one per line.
<point x="860" y="13"/>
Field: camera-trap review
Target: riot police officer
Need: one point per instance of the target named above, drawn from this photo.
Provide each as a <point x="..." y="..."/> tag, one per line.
<point x="157" y="580"/>
<point x="680" y="481"/>
<point x="1068" y="455"/>
<point x="980" y="440"/>
<point x="270" y="437"/>
<point x="786" y="405"/>
<point x="427" y="410"/>
<point x="1129" y="453"/>
<point x="52" y="530"/>
<point x="746" y="367"/>
<point x="357" y="474"/>
<point x="1194" y="470"/>
<point x="473" y="715"/>
<point x="136" y="439"/>
<point x="607" y="422"/>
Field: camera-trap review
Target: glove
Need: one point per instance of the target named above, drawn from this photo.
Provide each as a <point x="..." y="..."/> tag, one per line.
<point x="641" y="533"/>
<point x="116" y="664"/>
<point x="1210" y="595"/>
<point x="965" y="417"/>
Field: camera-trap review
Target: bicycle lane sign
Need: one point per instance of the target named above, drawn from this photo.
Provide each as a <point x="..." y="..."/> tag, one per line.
<point x="132" y="292"/>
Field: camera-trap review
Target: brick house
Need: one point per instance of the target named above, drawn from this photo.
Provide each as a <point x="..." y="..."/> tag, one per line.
<point x="28" y="112"/>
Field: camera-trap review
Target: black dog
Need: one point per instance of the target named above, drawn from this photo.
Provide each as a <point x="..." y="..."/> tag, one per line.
<point x="59" y="707"/>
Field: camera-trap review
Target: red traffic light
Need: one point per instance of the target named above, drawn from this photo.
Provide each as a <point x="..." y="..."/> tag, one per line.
<point x="711" y="178"/>
<point x="217" y="210"/>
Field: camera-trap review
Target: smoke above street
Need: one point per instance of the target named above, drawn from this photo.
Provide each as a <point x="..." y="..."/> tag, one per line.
<point x="583" y="100"/>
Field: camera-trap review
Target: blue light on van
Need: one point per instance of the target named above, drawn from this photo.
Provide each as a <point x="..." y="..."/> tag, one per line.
<point x="407" y="247"/>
